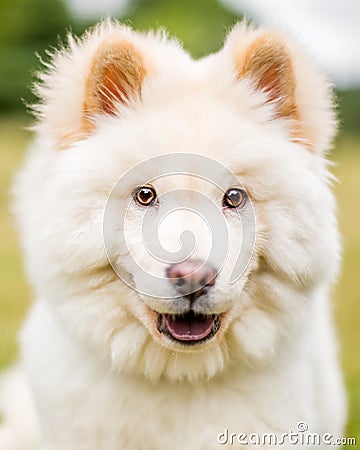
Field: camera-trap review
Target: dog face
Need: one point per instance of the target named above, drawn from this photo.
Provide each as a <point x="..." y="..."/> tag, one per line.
<point x="177" y="213"/>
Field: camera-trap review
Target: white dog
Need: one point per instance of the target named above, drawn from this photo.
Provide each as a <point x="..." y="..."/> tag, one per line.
<point x="127" y="348"/>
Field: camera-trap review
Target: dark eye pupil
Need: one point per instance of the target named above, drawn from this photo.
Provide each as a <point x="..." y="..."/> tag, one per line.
<point x="234" y="197"/>
<point x="145" y="194"/>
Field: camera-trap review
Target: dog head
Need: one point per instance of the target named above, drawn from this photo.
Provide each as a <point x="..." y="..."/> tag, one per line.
<point x="177" y="213"/>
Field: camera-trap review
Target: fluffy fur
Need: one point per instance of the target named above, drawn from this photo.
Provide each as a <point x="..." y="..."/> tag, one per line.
<point x="101" y="375"/>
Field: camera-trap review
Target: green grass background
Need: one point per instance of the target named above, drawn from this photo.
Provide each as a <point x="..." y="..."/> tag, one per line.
<point x="15" y="294"/>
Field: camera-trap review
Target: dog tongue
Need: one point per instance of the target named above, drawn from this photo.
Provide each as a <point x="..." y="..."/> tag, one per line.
<point x="189" y="327"/>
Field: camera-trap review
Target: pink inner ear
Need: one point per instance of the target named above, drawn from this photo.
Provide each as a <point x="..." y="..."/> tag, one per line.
<point x="113" y="89"/>
<point x="268" y="64"/>
<point x="116" y="75"/>
<point x="270" y="82"/>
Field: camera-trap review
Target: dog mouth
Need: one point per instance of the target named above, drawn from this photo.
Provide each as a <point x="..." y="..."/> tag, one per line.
<point x="189" y="328"/>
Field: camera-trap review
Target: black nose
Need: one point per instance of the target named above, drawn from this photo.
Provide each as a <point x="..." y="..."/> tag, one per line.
<point x="192" y="278"/>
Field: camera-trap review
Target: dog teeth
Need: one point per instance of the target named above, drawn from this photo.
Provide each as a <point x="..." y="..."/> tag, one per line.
<point x="161" y="326"/>
<point x="216" y="325"/>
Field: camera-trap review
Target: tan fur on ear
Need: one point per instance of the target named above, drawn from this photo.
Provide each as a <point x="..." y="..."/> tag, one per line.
<point x="115" y="76"/>
<point x="268" y="64"/>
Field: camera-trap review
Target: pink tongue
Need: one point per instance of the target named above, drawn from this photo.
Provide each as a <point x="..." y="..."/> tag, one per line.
<point x="189" y="328"/>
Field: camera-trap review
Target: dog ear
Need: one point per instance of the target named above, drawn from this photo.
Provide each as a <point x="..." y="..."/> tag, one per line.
<point x="115" y="77"/>
<point x="91" y="77"/>
<point x="267" y="63"/>
<point x="297" y="91"/>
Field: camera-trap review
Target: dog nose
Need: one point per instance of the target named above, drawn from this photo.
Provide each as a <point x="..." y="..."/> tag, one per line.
<point x="192" y="278"/>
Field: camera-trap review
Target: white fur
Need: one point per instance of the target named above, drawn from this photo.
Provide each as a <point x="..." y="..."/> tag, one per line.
<point x="100" y="376"/>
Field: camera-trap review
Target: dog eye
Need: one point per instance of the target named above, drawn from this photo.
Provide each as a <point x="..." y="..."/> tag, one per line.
<point x="145" y="195"/>
<point x="234" y="198"/>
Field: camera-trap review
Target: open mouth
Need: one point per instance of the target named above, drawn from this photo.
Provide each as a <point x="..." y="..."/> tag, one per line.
<point x="189" y="328"/>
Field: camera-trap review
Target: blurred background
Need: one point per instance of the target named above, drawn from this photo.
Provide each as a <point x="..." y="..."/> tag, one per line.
<point x="330" y="31"/>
